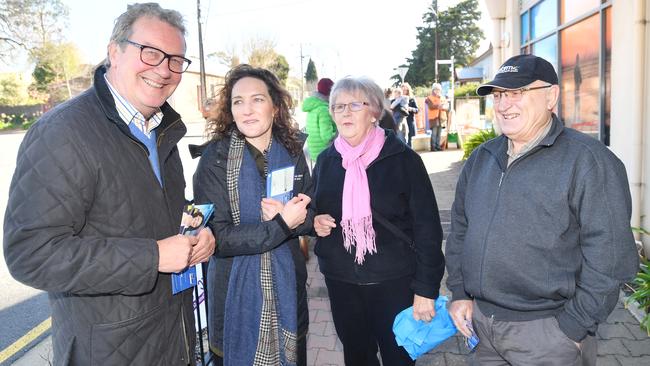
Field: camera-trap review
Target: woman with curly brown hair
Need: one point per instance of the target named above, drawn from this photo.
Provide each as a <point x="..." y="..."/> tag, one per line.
<point x="257" y="308"/>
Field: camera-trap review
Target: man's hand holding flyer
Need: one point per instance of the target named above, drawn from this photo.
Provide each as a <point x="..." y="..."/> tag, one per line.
<point x="194" y="219"/>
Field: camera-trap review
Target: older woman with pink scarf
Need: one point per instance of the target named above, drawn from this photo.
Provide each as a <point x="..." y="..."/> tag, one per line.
<point x="379" y="233"/>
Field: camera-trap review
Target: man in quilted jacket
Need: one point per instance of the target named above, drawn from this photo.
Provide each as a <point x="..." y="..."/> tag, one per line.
<point x="96" y="202"/>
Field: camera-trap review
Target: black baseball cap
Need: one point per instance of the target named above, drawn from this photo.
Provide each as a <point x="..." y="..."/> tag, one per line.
<point x="518" y="72"/>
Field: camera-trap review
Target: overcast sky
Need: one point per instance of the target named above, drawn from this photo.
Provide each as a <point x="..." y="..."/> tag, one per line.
<point x="343" y="37"/>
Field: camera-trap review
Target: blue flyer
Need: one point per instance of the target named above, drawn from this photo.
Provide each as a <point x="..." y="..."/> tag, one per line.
<point x="194" y="219"/>
<point x="279" y="184"/>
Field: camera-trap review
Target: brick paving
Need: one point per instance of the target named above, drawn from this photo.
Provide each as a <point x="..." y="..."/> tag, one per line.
<point x="620" y="340"/>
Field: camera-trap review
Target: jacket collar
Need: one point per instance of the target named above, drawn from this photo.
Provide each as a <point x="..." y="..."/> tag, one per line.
<point x="498" y="146"/>
<point x="171" y="126"/>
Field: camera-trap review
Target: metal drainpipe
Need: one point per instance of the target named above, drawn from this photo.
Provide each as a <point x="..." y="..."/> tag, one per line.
<point x="640" y="189"/>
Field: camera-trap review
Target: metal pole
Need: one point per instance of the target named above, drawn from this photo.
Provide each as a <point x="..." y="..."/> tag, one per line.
<point x="435" y="9"/>
<point x="302" y="76"/>
<point x="451" y="104"/>
<point x="202" y="87"/>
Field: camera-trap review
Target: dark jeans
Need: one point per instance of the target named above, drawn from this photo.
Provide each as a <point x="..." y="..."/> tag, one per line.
<point x="436" y="128"/>
<point x="363" y="317"/>
<point x="410" y="122"/>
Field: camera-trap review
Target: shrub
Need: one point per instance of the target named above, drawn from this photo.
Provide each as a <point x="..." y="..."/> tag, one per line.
<point x="641" y="294"/>
<point x="476" y="140"/>
<point x="16" y="122"/>
<point x="466" y="90"/>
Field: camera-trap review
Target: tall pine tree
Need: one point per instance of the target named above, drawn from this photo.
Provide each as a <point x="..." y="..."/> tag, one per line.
<point x="311" y="76"/>
<point x="456" y="33"/>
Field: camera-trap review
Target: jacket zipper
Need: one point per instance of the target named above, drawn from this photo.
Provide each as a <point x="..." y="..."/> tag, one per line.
<point x="485" y="241"/>
<point x="504" y="173"/>
<point x="164" y="191"/>
<point x="162" y="133"/>
<point x="163" y="187"/>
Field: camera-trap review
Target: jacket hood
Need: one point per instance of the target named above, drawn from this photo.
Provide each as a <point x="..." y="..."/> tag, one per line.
<point x="314" y="102"/>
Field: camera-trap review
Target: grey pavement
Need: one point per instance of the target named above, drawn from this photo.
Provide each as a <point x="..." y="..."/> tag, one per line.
<point x="620" y="340"/>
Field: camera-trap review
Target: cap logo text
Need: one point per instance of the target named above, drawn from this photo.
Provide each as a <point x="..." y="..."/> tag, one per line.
<point x="508" y="69"/>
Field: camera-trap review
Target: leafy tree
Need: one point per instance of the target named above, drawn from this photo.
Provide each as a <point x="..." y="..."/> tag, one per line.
<point x="311" y="76"/>
<point x="229" y="57"/>
<point x="30" y="24"/>
<point x="55" y="66"/>
<point x="454" y="31"/>
<point x="280" y="67"/>
<point x="9" y="91"/>
<point x="261" y="52"/>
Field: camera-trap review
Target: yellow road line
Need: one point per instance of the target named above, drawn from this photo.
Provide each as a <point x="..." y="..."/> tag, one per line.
<point x="25" y="340"/>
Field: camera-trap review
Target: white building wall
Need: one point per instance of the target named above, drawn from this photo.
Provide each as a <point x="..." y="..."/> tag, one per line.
<point x="645" y="163"/>
<point x="630" y="98"/>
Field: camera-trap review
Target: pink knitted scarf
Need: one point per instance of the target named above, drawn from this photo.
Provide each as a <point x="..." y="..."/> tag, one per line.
<point x="356" y="220"/>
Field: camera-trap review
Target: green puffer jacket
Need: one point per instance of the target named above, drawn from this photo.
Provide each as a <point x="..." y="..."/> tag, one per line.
<point x="320" y="126"/>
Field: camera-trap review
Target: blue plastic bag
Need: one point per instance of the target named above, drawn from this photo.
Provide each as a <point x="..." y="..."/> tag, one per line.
<point x="419" y="337"/>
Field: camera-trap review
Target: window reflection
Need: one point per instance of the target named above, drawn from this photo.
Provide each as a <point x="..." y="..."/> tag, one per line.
<point x="524" y="28"/>
<point x="608" y="75"/>
<point x="547" y="49"/>
<point x="571" y="9"/>
<point x="543" y="18"/>
<point x="580" y="81"/>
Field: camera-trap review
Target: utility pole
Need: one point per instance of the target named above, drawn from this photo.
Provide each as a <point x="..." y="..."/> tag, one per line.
<point x="435" y="39"/>
<point x="202" y="86"/>
<point x="302" y="76"/>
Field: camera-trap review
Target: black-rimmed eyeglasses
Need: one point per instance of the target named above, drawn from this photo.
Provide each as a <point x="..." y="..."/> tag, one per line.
<point x="354" y="107"/>
<point x="153" y="56"/>
<point x="514" y="95"/>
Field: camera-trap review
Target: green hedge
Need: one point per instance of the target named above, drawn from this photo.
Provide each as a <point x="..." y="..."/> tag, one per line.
<point x="16" y="122"/>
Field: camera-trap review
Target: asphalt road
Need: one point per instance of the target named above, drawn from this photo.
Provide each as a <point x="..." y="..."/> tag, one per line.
<point x="21" y="307"/>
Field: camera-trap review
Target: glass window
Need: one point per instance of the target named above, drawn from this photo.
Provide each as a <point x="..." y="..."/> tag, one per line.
<point x="571" y="9"/>
<point x="547" y="49"/>
<point x="525" y="35"/>
<point x="580" y="81"/>
<point x="608" y="75"/>
<point x="543" y="18"/>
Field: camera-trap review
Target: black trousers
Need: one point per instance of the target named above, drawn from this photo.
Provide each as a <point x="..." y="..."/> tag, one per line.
<point x="363" y="317"/>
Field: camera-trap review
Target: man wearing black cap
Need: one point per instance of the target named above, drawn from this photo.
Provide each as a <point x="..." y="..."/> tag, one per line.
<point x="540" y="237"/>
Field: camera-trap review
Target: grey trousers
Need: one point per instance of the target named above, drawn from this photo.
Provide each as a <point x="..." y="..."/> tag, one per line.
<point x="535" y="342"/>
